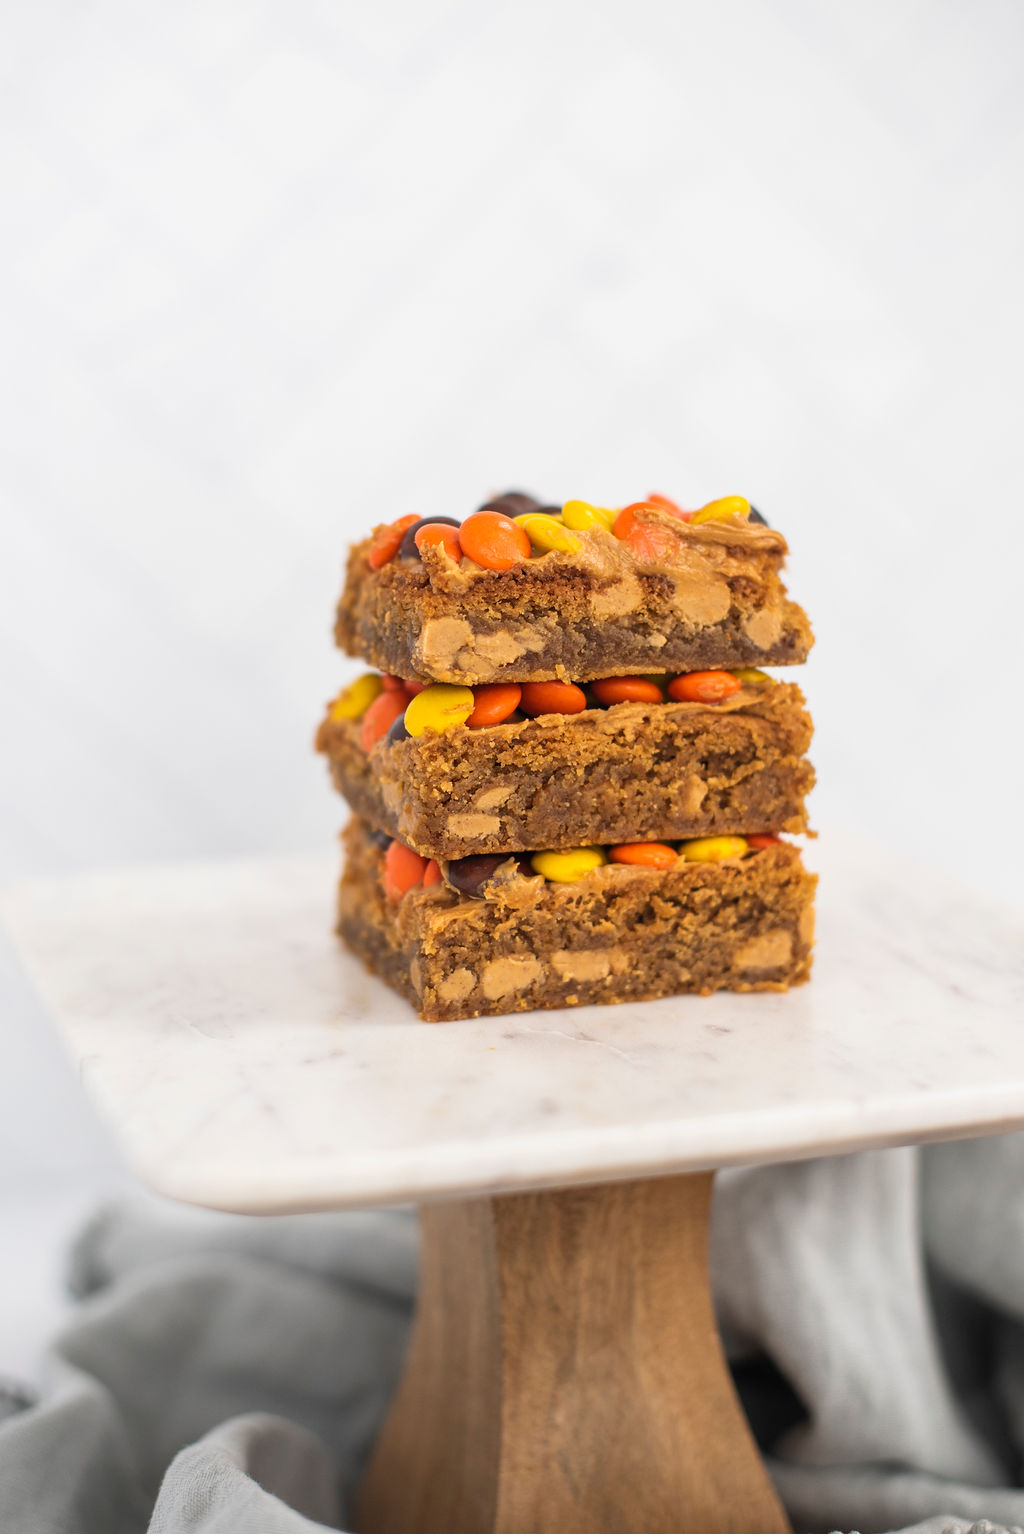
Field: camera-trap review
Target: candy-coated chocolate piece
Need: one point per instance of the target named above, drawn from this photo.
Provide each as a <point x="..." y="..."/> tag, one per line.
<point x="495" y="702"/>
<point x="393" y="683"/>
<point x="469" y="875"/>
<point x="388" y="541"/>
<point x="713" y="849"/>
<point x="413" y="689"/>
<point x="759" y="842"/>
<point x="626" y="689"/>
<point x="546" y="534"/>
<point x="397" y="731"/>
<point x="581" y="515"/>
<point x="403" y="870"/>
<point x="438" y="708"/>
<point x="512" y="503"/>
<point x="552" y="698"/>
<point x="568" y="866"/>
<point x="409" y="548"/>
<point x="751" y="674"/>
<point x="727" y="509"/>
<point x="644" y="854"/>
<point x="494" y="541"/>
<point x="703" y="687"/>
<point x="380" y="716"/>
<point x="755" y="516"/>
<point x="646" y="539"/>
<point x="356" y="698"/>
<point x="672" y="507"/>
<point x="431" y="874"/>
<point x="439" y="535"/>
<point x="380" y="839"/>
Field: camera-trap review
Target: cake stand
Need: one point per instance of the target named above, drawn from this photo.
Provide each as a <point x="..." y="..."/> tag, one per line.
<point x="565" y="1374"/>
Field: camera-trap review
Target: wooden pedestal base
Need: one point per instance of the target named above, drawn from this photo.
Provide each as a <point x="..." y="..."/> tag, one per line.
<point x="565" y="1376"/>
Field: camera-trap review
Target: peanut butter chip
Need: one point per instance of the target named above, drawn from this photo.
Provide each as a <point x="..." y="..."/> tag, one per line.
<point x="623" y="596"/>
<point x="502" y="976"/>
<point x="805" y="926"/>
<point x="764" y="627"/>
<point x="457" y="985"/>
<point x="491" y="798"/>
<point x="769" y="950"/>
<point x="582" y="964"/>
<point x="694" y="794"/>
<point x="500" y="648"/>
<point x="440" y="641"/>
<point x="473" y="825"/>
<point x="700" y="598"/>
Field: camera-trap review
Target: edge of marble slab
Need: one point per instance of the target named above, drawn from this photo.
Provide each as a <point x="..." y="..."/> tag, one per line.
<point x="432" y="1181"/>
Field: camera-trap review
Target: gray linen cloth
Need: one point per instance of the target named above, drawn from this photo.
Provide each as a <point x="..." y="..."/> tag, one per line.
<point x="225" y="1375"/>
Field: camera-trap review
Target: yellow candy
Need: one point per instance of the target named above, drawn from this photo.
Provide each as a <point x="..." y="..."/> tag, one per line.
<point x="712" y="849"/>
<point x="439" y="708"/>
<point x="357" y="697"/>
<point x="545" y="533"/>
<point x="566" y="867"/>
<point x="580" y="515"/>
<point x="725" y="510"/>
<point x="751" y="674"/>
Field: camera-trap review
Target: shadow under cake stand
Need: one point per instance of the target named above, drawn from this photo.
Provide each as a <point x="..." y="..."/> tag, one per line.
<point x="565" y="1375"/>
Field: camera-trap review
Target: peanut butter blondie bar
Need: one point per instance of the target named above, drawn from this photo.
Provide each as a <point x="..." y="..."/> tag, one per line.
<point x="571" y="593"/>
<point x="646" y="767"/>
<point x="509" y="934"/>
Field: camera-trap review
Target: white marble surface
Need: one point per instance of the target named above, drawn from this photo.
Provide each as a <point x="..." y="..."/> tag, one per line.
<point x="246" y="1062"/>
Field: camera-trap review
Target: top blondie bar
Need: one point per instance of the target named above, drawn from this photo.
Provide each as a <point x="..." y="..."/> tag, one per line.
<point x="523" y="592"/>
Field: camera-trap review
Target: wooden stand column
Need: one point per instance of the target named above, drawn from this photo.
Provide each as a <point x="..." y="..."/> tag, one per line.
<point x="565" y="1375"/>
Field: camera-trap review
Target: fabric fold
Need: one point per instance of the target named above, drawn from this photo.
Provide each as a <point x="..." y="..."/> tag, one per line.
<point x="227" y="1374"/>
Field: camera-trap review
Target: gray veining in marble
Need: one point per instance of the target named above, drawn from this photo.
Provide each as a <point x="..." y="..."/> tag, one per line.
<point x="246" y="1062"/>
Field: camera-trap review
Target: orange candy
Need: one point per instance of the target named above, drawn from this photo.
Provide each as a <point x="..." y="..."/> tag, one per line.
<point x="494" y="541"/>
<point x="403" y="870"/>
<point x="552" y="698"/>
<point x="413" y="689"/>
<point x="672" y="507"/>
<point x="759" y="842"/>
<point x="703" y="687"/>
<point x="385" y="545"/>
<point x="644" y="854"/>
<point x="440" y="534"/>
<point x="627" y="689"/>
<point x="393" y="683"/>
<point x="380" y="716"/>
<point x="646" y="539"/>
<point x="431" y="874"/>
<point x="494" y="703"/>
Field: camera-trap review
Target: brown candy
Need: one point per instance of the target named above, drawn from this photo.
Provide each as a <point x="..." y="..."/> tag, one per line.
<point x="470" y="875"/>
<point x="407" y="548"/>
<point x="514" y="503"/>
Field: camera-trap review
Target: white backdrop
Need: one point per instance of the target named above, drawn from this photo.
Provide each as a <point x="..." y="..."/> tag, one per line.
<point x="272" y="272"/>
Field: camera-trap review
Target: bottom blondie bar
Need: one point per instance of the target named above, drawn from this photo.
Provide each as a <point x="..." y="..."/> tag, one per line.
<point x="620" y="933"/>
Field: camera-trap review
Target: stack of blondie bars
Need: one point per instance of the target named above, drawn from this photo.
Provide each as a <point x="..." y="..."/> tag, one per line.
<point x="571" y="779"/>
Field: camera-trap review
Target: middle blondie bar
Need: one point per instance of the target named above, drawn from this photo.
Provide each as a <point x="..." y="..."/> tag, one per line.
<point x="632" y="771"/>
